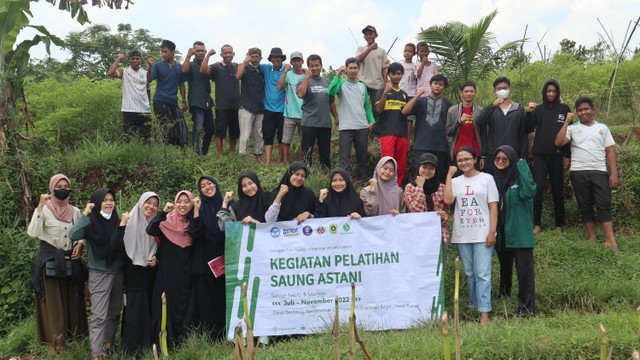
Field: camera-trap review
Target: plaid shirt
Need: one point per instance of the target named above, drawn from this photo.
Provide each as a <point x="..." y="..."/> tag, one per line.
<point x="416" y="201"/>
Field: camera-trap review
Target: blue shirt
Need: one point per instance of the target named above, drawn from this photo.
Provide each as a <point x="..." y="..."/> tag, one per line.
<point x="167" y="81"/>
<point x="273" y="98"/>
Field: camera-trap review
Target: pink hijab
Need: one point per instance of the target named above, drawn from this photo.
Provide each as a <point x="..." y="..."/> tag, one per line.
<point x="60" y="208"/>
<point x="176" y="227"/>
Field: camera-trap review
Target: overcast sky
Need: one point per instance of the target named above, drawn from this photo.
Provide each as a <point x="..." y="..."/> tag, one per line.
<point x="322" y="27"/>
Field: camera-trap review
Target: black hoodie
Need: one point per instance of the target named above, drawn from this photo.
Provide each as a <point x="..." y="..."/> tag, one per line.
<point x="547" y="119"/>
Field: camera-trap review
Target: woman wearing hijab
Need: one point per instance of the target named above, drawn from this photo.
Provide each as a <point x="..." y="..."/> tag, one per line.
<point x="106" y="280"/>
<point x="207" y="302"/>
<point x="291" y="200"/>
<point x="426" y="193"/>
<point x="383" y="195"/>
<point x="139" y="274"/>
<point x="60" y="310"/>
<point x="341" y="199"/>
<point x="515" y="238"/>
<point x="251" y="207"/>
<point x="177" y="226"/>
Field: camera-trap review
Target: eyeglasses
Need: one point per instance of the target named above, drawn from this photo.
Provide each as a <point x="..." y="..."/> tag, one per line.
<point x="501" y="159"/>
<point x="460" y="161"/>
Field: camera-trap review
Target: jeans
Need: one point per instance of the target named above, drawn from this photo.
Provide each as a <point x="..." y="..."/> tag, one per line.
<point x="476" y="260"/>
<point x="202" y="118"/>
<point x="358" y="138"/>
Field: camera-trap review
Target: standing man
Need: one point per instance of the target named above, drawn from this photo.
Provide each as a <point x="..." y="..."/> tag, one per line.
<point x="200" y="101"/>
<point x="136" y="94"/>
<point x="227" y="96"/>
<point x="168" y="74"/>
<point x="251" y="110"/>
<point x="431" y="120"/>
<point x="547" y="120"/>
<point x="461" y="127"/>
<point x="273" y="102"/>
<point x="355" y="115"/>
<point x="317" y="108"/>
<point x="292" y="103"/>
<point x="506" y="124"/>
<point x="372" y="60"/>
<point x="594" y="170"/>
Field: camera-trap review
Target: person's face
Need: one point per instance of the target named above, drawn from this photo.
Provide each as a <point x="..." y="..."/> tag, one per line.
<point x="395" y="77"/>
<point x="255" y="59"/>
<point x="468" y="94"/>
<point x="183" y="205"/>
<point x="62" y="184"/>
<point x="297" y="64"/>
<point x="585" y="112"/>
<point x="423" y="52"/>
<point x="249" y="188"/>
<point x="338" y="184"/>
<point x="227" y="54"/>
<point x="427" y="171"/>
<point x="465" y="161"/>
<point x="135" y="62"/>
<point x="108" y="203"/>
<point x="167" y="54"/>
<point x="501" y="161"/>
<point x="387" y="171"/>
<point x="150" y="207"/>
<point x="276" y="61"/>
<point x="352" y="71"/>
<point x="408" y="53"/>
<point x="370" y="37"/>
<point x="437" y="87"/>
<point x="316" y="67"/>
<point x="551" y="93"/>
<point x="207" y="188"/>
<point x="298" y="178"/>
<point x="501" y="86"/>
<point x="201" y="50"/>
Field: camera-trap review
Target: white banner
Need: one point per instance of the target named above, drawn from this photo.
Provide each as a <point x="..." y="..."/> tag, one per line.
<point x="293" y="272"/>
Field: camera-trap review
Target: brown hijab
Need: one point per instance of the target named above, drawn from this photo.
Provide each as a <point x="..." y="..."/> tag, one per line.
<point x="60" y="208"/>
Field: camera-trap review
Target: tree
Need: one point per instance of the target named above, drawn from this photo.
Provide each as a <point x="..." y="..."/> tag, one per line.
<point x="465" y="51"/>
<point x="94" y="49"/>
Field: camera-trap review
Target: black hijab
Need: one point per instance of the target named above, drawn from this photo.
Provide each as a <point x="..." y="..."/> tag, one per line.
<point x="505" y="178"/>
<point x="255" y="206"/>
<point x="298" y="199"/>
<point x="345" y="202"/>
<point x="209" y="212"/>
<point x="100" y="232"/>
<point x="431" y="185"/>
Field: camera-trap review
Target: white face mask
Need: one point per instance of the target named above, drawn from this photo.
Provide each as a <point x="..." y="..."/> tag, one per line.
<point x="503" y="93"/>
<point x="105" y="215"/>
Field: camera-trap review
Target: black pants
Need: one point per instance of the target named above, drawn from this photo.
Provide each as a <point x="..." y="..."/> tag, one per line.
<point x="592" y="189"/>
<point x="526" y="278"/>
<point x="323" y="136"/>
<point x="358" y="139"/>
<point x="136" y="124"/>
<point x="552" y="165"/>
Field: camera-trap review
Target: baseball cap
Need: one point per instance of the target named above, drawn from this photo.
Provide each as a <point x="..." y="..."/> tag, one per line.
<point x="369" y="28"/>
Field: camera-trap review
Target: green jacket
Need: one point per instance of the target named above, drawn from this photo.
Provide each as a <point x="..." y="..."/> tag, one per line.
<point x="519" y="216"/>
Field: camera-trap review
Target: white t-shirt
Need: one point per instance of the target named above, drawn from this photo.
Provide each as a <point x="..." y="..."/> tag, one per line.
<point x="409" y="81"/>
<point x="134" y="90"/>
<point x="471" y="220"/>
<point x="370" y="71"/>
<point x="588" y="145"/>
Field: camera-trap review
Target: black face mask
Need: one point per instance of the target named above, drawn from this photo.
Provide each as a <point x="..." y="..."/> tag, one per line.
<point x="62" y="194"/>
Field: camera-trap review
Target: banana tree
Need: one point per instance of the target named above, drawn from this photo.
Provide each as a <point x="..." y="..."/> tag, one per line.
<point x="465" y="51"/>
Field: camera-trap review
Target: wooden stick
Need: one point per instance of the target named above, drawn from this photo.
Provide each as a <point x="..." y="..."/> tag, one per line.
<point x="603" y="342"/>
<point x="238" y="351"/>
<point x="154" y="349"/>
<point x="251" y="346"/>
<point x="164" y="348"/>
<point x="456" y="308"/>
<point x="636" y="354"/>
<point x="336" y="330"/>
<point x="638" y="315"/>
<point x="445" y="335"/>
<point x="352" y="325"/>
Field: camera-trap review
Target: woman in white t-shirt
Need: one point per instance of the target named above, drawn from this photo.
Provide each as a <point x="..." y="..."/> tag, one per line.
<point x="474" y="226"/>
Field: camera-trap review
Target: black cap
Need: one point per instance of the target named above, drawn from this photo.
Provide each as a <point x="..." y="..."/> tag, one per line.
<point x="428" y="158"/>
<point x="369" y="28"/>
<point x="276" y="51"/>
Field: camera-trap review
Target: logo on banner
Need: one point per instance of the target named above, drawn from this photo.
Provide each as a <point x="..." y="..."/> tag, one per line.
<point x="320" y="230"/>
<point x="346" y="229"/>
<point x="333" y="228"/>
<point x="275" y="232"/>
<point x="290" y="232"/>
<point x="307" y="230"/>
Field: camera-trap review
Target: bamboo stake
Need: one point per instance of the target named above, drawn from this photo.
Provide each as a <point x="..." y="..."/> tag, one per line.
<point x="154" y="349"/>
<point x="636" y="354"/>
<point x="336" y="330"/>
<point x="163" y="329"/>
<point x="238" y="351"/>
<point x="251" y="346"/>
<point x="603" y="342"/>
<point x="352" y="324"/>
<point x="456" y="308"/>
<point x="355" y="326"/>
<point x="445" y="335"/>
<point x="638" y="316"/>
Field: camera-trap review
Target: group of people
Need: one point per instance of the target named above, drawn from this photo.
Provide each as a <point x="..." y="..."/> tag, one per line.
<point x="489" y="191"/>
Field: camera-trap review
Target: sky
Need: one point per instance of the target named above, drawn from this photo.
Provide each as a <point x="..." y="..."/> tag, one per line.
<point x="328" y="27"/>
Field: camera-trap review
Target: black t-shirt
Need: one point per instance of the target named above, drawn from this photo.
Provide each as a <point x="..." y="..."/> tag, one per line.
<point x="391" y="120"/>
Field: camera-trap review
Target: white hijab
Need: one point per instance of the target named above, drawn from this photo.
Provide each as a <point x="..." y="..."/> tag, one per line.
<point x="138" y="244"/>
